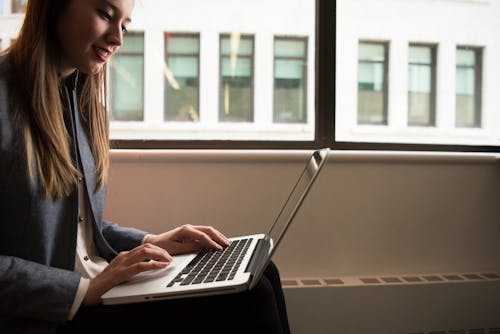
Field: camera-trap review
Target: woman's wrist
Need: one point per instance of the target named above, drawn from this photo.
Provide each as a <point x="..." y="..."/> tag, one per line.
<point x="94" y="292"/>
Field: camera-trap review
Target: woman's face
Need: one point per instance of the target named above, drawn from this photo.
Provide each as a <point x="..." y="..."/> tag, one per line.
<point x="90" y="31"/>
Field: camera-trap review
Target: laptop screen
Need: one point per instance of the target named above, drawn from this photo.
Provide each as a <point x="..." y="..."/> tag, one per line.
<point x="295" y="199"/>
<point x="292" y="204"/>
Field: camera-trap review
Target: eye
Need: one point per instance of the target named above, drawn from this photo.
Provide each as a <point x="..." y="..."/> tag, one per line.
<point x="104" y="14"/>
<point x="124" y="29"/>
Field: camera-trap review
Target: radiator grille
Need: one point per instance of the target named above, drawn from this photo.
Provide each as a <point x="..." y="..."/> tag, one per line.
<point x="464" y="331"/>
<point x="397" y="280"/>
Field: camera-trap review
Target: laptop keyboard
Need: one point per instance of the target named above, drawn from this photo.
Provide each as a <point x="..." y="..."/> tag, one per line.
<point x="214" y="265"/>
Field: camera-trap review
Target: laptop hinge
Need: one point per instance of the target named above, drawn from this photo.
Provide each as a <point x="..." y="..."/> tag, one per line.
<point x="261" y="252"/>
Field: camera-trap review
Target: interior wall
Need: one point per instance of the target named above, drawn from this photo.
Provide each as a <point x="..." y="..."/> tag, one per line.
<point x="370" y="213"/>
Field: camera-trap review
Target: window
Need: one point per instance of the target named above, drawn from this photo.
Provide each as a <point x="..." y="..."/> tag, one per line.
<point x="19" y="6"/>
<point x="468" y="87"/>
<point x="236" y="78"/>
<point x="182" y="82"/>
<point x="421" y="85"/>
<point x="290" y="80"/>
<point x="127" y="80"/>
<point x="407" y="79"/>
<point x="349" y="74"/>
<point x="209" y="81"/>
<point x="372" y="83"/>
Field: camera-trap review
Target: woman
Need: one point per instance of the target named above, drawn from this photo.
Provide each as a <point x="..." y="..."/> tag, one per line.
<point x="57" y="255"/>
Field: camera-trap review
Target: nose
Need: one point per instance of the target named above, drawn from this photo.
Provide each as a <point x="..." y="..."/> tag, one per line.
<point x="115" y="35"/>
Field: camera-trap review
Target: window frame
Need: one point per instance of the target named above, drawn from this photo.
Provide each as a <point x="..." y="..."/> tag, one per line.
<point x="385" y="91"/>
<point x="111" y="76"/>
<point x="478" y="84"/>
<point x="433" y="66"/>
<point x="324" y="95"/>
<point x="222" y="56"/>
<point x="167" y="56"/>
<point x="304" y="58"/>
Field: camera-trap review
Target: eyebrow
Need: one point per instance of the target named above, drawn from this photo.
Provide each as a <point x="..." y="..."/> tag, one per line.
<point x="116" y="9"/>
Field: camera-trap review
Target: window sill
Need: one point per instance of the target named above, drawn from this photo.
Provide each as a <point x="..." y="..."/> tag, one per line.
<point x="286" y="156"/>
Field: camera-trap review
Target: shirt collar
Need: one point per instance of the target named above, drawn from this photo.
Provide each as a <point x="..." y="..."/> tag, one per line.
<point x="72" y="80"/>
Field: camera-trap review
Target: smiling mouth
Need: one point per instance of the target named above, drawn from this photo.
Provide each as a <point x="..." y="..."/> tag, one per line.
<point x="102" y="54"/>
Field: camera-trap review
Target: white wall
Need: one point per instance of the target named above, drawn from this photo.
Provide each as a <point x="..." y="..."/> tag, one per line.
<point x="369" y="214"/>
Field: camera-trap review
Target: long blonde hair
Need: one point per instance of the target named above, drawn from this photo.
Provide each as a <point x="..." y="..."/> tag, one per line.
<point x="38" y="88"/>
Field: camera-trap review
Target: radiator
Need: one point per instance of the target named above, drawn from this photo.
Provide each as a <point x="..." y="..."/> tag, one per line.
<point x="444" y="303"/>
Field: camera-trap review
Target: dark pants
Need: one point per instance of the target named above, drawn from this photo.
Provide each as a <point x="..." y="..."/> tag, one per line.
<point x="260" y="310"/>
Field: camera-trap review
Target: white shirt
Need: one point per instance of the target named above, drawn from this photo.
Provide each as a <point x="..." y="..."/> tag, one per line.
<point x="87" y="262"/>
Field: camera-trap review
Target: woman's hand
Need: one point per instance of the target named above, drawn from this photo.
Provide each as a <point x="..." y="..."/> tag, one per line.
<point x="123" y="267"/>
<point x="189" y="238"/>
<point x="157" y="247"/>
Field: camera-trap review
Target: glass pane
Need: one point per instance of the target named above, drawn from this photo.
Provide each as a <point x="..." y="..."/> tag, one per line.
<point x="182" y="103"/>
<point x="288" y="69"/>
<point x="420" y="85"/>
<point x="465" y="81"/>
<point x="236" y="45"/>
<point x="370" y="107"/>
<point x="289" y="80"/>
<point x="371" y="52"/>
<point x="183" y="66"/>
<point x="132" y="44"/>
<point x="466" y="57"/>
<point x="371" y="83"/>
<point x="289" y="101"/>
<point x="419" y="95"/>
<point x="236" y="91"/>
<point x="371" y="77"/>
<point x="467" y="98"/>
<point x="289" y="92"/>
<point x="289" y="48"/>
<point x="236" y="100"/>
<point x="419" y="108"/>
<point x="182" y="44"/>
<point x="182" y="78"/>
<point x="236" y="67"/>
<point x="420" y="54"/>
<point x="127" y="88"/>
<point x="419" y="78"/>
<point x="465" y="111"/>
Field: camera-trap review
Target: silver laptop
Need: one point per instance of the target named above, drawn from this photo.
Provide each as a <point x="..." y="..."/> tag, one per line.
<point x="235" y="268"/>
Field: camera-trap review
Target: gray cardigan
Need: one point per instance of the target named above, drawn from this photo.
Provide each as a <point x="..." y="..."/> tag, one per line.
<point x="38" y="234"/>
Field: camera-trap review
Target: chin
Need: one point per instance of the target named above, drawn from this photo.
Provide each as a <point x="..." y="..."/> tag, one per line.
<point x="94" y="69"/>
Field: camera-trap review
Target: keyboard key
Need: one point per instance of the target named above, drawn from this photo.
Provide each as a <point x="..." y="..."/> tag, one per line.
<point x="214" y="265"/>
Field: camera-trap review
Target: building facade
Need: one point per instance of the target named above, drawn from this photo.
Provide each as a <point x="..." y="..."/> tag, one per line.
<point x="407" y="71"/>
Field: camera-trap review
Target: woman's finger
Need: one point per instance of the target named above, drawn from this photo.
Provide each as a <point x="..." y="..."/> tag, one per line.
<point x="142" y="253"/>
<point x="189" y="233"/>
<point x="216" y="235"/>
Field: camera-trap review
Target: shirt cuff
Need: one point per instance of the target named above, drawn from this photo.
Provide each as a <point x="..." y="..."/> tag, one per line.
<point x="144" y="239"/>
<point x="83" y="286"/>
